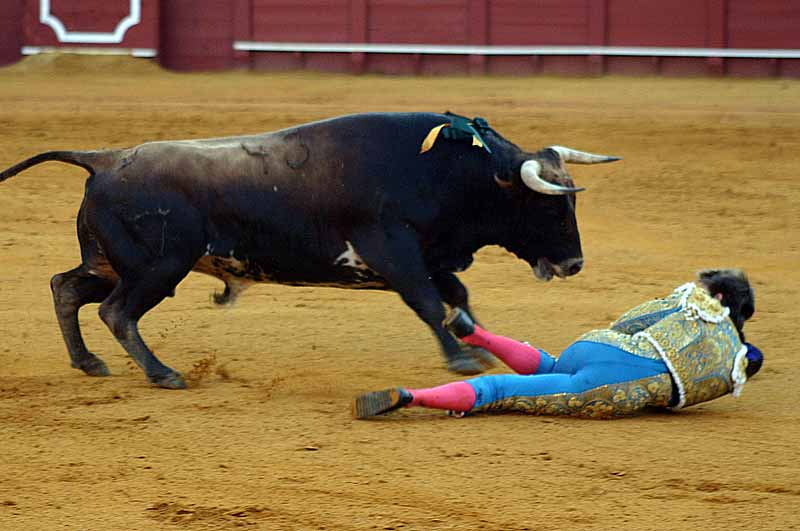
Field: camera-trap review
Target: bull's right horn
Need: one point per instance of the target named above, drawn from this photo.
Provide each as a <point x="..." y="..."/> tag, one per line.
<point x="581" y="157"/>
<point x="530" y="176"/>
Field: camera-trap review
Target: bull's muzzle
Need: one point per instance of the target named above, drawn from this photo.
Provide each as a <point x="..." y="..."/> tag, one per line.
<point x="546" y="270"/>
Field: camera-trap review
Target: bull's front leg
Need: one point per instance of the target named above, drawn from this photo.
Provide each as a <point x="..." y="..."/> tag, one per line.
<point x="394" y="253"/>
<point x="453" y="292"/>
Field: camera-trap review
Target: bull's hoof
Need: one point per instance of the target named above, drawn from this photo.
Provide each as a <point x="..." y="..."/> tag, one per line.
<point x="465" y="365"/>
<point x="93" y="366"/>
<point x="172" y="380"/>
<point x="481" y="355"/>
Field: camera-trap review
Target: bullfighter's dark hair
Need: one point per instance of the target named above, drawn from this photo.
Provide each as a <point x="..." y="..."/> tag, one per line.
<point x="737" y="294"/>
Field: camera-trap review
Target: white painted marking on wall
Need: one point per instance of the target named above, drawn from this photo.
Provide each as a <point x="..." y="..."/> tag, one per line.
<point x="90" y="37"/>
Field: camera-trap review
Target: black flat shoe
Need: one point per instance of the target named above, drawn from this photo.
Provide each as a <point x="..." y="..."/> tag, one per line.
<point x="380" y="402"/>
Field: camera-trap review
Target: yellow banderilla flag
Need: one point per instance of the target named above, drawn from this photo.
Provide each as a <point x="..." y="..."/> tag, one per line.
<point x="430" y="140"/>
<point x="427" y="144"/>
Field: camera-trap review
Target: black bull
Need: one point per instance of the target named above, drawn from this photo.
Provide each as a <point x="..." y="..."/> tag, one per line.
<point x="350" y="202"/>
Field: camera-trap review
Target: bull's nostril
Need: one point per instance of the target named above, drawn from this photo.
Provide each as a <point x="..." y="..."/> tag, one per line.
<point x="575" y="267"/>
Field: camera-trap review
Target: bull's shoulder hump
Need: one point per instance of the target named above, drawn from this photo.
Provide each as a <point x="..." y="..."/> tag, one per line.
<point x="272" y="138"/>
<point x="277" y="135"/>
<point x="391" y="119"/>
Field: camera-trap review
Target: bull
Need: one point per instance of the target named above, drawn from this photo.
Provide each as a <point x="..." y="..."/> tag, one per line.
<point x="351" y="202"/>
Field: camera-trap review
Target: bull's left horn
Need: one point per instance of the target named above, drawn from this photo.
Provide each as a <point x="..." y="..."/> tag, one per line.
<point x="530" y="176"/>
<point x="581" y="157"/>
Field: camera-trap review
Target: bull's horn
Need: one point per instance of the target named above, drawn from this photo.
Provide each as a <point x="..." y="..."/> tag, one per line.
<point x="530" y="176"/>
<point x="581" y="157"/>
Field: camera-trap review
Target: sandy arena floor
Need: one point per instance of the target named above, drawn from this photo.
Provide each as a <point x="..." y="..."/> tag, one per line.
<point x="263" y="438"/>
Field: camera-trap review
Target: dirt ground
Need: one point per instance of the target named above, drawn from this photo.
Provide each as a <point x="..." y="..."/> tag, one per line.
<point x="263" y="438"/>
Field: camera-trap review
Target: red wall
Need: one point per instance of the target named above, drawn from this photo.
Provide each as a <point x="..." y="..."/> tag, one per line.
<point x="10" y="31"/>
<point x="199" y="34"/>
<point x="196" y="34"/>
<point x="662" y="23"/>
<point x="539" y="22"/>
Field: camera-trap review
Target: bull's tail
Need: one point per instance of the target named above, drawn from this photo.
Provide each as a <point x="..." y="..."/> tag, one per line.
<point x="88" y="160"/>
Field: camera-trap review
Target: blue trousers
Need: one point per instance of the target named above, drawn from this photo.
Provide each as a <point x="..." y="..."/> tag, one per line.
<point x="582" y="367"/>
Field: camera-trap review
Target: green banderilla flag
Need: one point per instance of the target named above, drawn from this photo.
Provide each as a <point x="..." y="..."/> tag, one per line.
<point x="459" y="128"/>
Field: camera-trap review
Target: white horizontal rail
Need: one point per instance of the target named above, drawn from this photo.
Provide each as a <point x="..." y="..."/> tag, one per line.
<point x="89" y="50"/>
<point x="754" y="53"/>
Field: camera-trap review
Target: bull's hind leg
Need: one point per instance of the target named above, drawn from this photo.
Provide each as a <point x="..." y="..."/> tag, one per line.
<point x="131" y="299"/>
<point x="71" y="290"/>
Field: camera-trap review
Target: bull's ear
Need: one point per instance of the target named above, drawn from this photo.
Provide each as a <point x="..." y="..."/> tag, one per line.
<point x="503" y="183"/>
<point x="529" y="173"/>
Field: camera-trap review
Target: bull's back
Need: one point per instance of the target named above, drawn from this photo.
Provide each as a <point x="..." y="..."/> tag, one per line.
<point x="341" y="164"/>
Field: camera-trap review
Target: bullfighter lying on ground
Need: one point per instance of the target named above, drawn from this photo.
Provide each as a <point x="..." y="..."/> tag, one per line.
<point x="672" y="352"/>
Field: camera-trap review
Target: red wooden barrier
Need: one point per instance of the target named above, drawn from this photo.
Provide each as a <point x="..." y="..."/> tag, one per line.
<point x="197" y="34"/>
<point x="10" y="31"/>
<point x="764" y="24"/>
<point x="685" y="37"/>
<point x="674" y="24"/>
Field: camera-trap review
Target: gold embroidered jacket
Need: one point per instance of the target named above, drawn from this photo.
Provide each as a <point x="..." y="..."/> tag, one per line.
<point x="691" y="332"/>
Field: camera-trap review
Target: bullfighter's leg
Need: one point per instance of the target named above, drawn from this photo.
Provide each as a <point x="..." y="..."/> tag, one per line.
<point x="71" y="290"/>
<point x="518" y="356"/>
<point x="130" y="300"/>
<point x="596" y="381"/>
<point x="455" y="294"/>
<point x="393" y="252"/>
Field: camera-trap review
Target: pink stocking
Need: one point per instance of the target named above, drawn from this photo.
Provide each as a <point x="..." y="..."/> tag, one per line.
<point x="521" y="358"/>
<point x="457" y="396"/>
